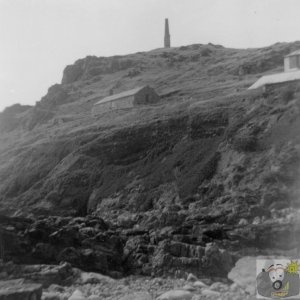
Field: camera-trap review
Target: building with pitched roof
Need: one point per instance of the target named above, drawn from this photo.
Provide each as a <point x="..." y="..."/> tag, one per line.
<point x="292" y="61"/>
<point x="127" y="99"/>
<point x="291" y="73"/>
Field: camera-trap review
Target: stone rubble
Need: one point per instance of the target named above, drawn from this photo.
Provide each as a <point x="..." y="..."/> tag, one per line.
<point x="145" y="288"/>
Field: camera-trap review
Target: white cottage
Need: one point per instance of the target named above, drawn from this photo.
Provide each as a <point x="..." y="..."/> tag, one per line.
<point x="291" y="73"/>
<point x="292" y="61"/>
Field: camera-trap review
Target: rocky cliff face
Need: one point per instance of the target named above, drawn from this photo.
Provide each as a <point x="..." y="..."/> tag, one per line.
<point x="181" y="185"/>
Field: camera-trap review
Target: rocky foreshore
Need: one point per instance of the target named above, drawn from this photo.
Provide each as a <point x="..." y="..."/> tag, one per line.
<point x="127" y="205"/>
<point x="92" y="244"/>
<point x="62" y="282"/>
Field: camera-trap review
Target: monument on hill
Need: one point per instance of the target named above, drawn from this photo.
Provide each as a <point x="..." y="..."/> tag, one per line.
<point x="167" y="43"/>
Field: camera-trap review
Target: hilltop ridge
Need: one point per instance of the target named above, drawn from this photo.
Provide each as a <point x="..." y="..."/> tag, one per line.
<point x="176" y="73"/>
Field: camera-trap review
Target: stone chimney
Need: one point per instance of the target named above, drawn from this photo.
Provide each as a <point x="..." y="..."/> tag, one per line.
<point x="167" y="43"/>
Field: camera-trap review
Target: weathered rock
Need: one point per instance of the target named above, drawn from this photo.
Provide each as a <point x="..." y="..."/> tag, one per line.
<point x="197" y="297"/>
<point x="56" y="288"/>
<point x="44" y="251"/>
<point x="176" y="295"/>
<point x="43" y="274"/>
<point x="200" y="284"/>
<point x="77" y="295"/>
<point x="72" y="73"/>
<point x="191" y="277"/>
<point x="137" y="296"/>
<point x="93" y="278"/>
<point x="18" y="290"/>
<point x="207" y="292"/>
<point x="191" y="170"/>
<point x="219" y="287"/>
<point x="218" y="261"/>
<point x="52" y="296"/>
<point x="244" y="274"/>
<point x="189" y="288"/>
<point x="94" y="297"/>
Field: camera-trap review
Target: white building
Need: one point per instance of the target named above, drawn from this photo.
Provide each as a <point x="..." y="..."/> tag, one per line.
<point x="291" y="73"/>
<point x="292" y="61"/>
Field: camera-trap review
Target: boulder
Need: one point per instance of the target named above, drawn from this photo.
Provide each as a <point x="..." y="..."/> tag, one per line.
<point x="244" y="274"/>
<point x="48" y="274"/>
<point x="137" y="296"/>
<point x="77" y="295"/>
<point x="176" y="295"/>
<point x="18" y="290"/>
<point x="44" y="251"/>
<point x="219" y="287"/>
<point x="210" y="293"/>
<point x="93" y="278"/>
<point x="94" y="297"/>
<point x="189" y="288"/>
<point x="56" y="288"/>
<point x="71" y="255"/>
<point x="200" y="284"/>
<point x="217" y="261"/>
<point x="52" y="296"/>
<point x="191" y="277"/>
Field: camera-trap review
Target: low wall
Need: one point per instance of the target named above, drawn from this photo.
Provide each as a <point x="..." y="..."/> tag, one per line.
<point x="271" y="87"/>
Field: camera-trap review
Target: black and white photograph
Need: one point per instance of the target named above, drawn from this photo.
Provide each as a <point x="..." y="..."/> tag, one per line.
<point x="149" y="149"/>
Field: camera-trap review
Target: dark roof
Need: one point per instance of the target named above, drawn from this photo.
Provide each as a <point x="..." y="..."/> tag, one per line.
<point x="121" y="95"/>
<point x="293" y="53"/>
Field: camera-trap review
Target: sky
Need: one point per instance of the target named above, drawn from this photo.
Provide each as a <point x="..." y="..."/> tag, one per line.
<point x="38" y="38"/>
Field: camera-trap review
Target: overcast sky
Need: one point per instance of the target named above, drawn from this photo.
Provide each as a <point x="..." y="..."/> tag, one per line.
<point x="38" y="38"/>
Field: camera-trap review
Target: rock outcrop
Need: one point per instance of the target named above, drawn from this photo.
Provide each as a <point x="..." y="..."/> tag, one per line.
<point x="188" y="185"/>
<point x="18" y="290"/>
<point x="12" y="117"/>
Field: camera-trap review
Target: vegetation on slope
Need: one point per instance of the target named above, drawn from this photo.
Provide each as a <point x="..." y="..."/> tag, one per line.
<point x="168" y="187"/>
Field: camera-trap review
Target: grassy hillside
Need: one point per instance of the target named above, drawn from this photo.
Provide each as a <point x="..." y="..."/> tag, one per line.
<point x="58" y="158"/>
<point x="163" y="188"/>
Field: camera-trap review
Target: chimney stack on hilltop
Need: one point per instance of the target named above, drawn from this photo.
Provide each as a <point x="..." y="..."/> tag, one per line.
<point x="167" y="43"/>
